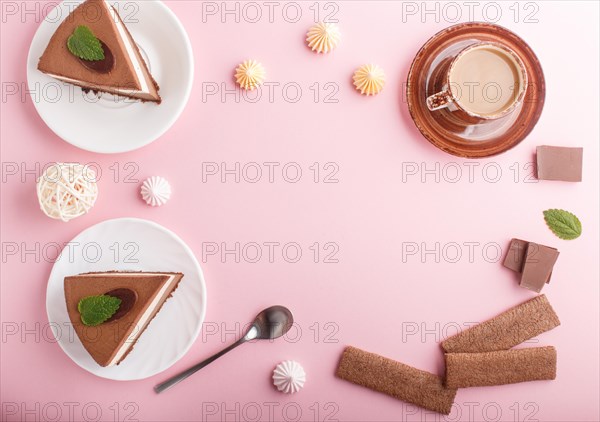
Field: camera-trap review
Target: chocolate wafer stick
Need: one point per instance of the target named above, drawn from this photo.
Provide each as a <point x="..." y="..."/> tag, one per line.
<point x="508" y="329"/>
<point x="499" y="368"/>
<point x="395" y="379"/>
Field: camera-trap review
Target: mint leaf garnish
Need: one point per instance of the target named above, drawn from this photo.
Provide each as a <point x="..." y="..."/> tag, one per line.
<point x="563" y="224"/>
<point x="95" y="310"/>
<point x="84" y="44"/>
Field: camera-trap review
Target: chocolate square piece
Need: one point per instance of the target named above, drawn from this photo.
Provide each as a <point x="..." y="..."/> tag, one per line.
<point x="537" y="268"/>
<point x="516" y="255"/>
<point x="559" y="163"/>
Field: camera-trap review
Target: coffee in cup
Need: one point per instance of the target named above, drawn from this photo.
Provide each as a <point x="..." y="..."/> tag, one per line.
<point x="484" y="81"/>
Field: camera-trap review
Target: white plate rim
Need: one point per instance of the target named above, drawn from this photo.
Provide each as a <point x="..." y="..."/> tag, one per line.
<point x="174" y="117"/>
<point x="185" y="247"/>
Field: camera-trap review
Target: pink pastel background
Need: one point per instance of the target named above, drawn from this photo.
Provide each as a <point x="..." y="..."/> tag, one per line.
<point x="373" y="298"/>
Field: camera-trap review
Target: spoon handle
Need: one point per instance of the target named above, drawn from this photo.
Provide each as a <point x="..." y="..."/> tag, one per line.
<point x="159" y="388"/>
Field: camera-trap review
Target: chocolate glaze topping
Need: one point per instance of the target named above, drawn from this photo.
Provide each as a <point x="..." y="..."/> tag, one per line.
<point x="101" y="66"/>
<point x="128" y="298"/>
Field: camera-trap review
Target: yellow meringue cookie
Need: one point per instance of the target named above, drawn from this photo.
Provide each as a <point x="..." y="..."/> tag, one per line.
<point x="369" y="79"/>
<point x="323" y="37"/>
<point x="250" y="74"/>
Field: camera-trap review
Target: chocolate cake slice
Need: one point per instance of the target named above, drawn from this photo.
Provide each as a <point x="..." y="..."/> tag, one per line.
<point x="141" y="294"/>
<point x="122" y="72"/>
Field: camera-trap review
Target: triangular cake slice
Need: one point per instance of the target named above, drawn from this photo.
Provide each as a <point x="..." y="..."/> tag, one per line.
<point x="142" y="295"/>
<point x="123" y="72"/>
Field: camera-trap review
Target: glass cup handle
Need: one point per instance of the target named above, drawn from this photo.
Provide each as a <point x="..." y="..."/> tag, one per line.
<point x="438" y="101"/>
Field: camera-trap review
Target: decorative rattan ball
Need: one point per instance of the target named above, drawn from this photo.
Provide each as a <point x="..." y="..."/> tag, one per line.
<point x="67" y="190"/>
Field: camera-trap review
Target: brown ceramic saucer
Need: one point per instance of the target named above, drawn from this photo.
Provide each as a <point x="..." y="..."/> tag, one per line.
<point x="441" y="127"/>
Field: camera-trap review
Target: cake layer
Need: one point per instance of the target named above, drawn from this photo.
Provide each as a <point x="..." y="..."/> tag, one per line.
<point x="114" y="90"/>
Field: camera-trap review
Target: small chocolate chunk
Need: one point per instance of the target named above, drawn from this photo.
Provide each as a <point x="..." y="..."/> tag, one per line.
<point x="537" y="268"/>
<point x="559" y="163"/>
<point x="516" y="255"/>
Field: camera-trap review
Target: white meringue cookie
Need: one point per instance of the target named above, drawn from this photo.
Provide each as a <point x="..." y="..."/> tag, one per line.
<point x="156" y="191"/>
<point x="289" y="377"/>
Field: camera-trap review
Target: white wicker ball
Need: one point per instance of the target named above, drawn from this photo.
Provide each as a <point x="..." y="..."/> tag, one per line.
<point x="67" y="190"/>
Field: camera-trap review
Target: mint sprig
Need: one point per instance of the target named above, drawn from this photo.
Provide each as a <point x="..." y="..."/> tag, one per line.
<point x="84" y="44"/>
<point x="95" y="310"/>
<point x="563" y="224"/>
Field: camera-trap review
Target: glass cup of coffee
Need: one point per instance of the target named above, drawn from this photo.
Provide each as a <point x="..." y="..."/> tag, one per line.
<point x="484" y="81"/>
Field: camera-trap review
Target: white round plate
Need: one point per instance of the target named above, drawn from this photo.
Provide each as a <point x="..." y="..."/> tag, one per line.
<point x="105" y="123"/>
<point x="130" y="244"/>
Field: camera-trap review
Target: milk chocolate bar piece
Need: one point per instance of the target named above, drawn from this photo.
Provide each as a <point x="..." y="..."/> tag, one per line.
<point x="559" y="163"/>
<point x="499" y="368"/>
<point x="516" y="255"/>
<point x="395" y="379"/>
<point x="538" y="265"/>
<point x="508" y="329"/>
